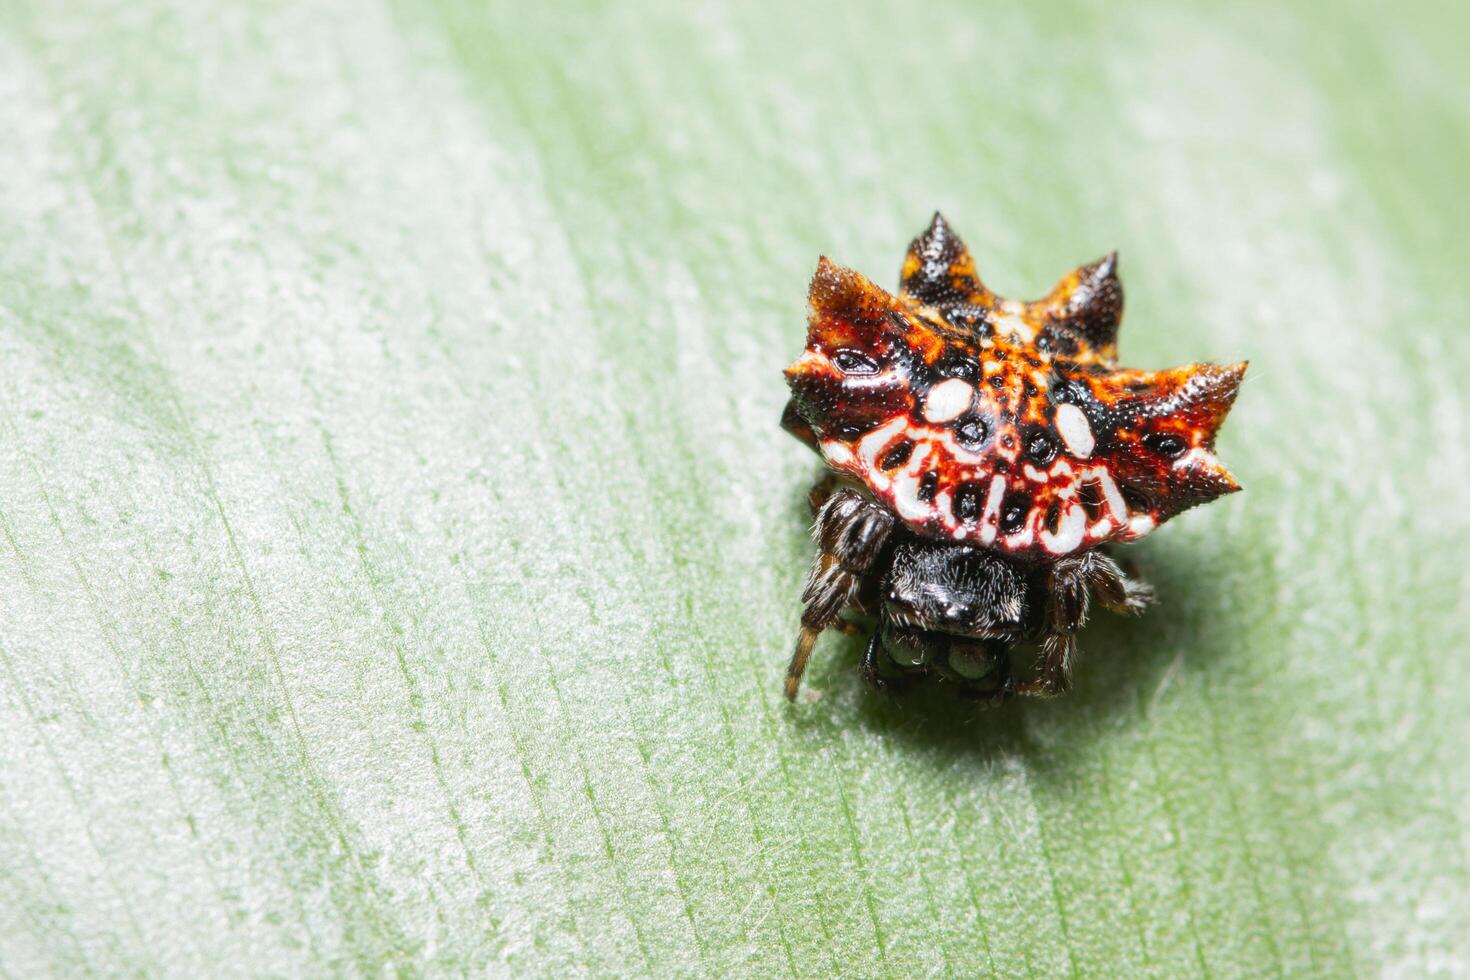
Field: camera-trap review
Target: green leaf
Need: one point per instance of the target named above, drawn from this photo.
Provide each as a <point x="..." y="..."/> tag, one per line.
<point x="400" y="554"/>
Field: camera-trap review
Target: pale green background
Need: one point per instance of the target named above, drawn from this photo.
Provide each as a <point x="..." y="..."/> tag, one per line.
<point x="399" y="554"/>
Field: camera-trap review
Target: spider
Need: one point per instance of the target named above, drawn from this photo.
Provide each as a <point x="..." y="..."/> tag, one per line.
<point x="982" y="452"/>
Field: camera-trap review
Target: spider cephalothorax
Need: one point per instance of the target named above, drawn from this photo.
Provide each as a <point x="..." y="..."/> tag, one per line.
<point x="1003" y="428"/>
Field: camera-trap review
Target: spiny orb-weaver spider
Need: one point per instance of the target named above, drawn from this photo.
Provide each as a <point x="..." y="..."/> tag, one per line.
<point x="981" y="451"/>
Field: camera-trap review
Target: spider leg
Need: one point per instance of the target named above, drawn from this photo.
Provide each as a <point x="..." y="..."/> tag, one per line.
<point x="1005" y="687"/>
<point x="851" y="531"/>
<point x="820" y="492"/>
<point x="805" y="640"/>
<point x="1064" y="613"/>
<point x="875" y="655"/>
<point x="1054" y="675"/>
<point x="1070" y="584"/>
<point x="871" y="654"/>
<point x="1115" y="590"/>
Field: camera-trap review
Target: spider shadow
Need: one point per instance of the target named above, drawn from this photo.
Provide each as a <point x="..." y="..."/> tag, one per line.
<point x="1123" y="669"/>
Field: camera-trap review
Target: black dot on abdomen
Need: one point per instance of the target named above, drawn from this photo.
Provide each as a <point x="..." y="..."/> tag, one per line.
<point x="928" y="483"/>
<point x="1090" y="496"/>
<point x="958" y="365"/>
<point x="1136" y="501"/>
<point x="967" y="503"/>
<point x="896" y="456"/>
<point x="971" y="432"/>
<point x="1040" y="448"/>
<point x="1013" y="513"/>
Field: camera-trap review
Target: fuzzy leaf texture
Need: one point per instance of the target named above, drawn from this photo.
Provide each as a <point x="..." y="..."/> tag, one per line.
<point x="399" y="552"/>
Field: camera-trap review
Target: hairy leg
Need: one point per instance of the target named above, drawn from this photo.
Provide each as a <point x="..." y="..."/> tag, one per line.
<point x="1067" y="596"/>
<point x="1114" y="590"/>
<point x="1070" y="583"/>
<point x="871" y="655"/>
<point x="850" y="531"/>
<point x="1054" y="667"/>
<point x="820" y="492"/>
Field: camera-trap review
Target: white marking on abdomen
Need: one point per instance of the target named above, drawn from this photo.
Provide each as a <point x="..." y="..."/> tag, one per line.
<point x="1023" y="537"/>
<point x="868" y="449"/>
<point x="948" y="400"/>
<point x="1110" y="494"/>
<point x="1075" y="432"/>
<point x="945" y="512"/>
<point x="878" y="440"/>
<point x="993" y="497"/>
<point x="837" y="453"/>
<point x="906" y="499"/>
<point x="906" y="486"/>
<point x="1007" y="320"/>
<point x="1069" y="532"/>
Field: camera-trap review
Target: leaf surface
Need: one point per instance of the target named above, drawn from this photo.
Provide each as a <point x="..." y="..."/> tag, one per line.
<point x="399" y="553"/>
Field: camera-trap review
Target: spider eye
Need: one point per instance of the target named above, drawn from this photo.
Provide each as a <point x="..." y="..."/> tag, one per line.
<point x="1165" y="445"/>
<point x="852" y="362"/>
